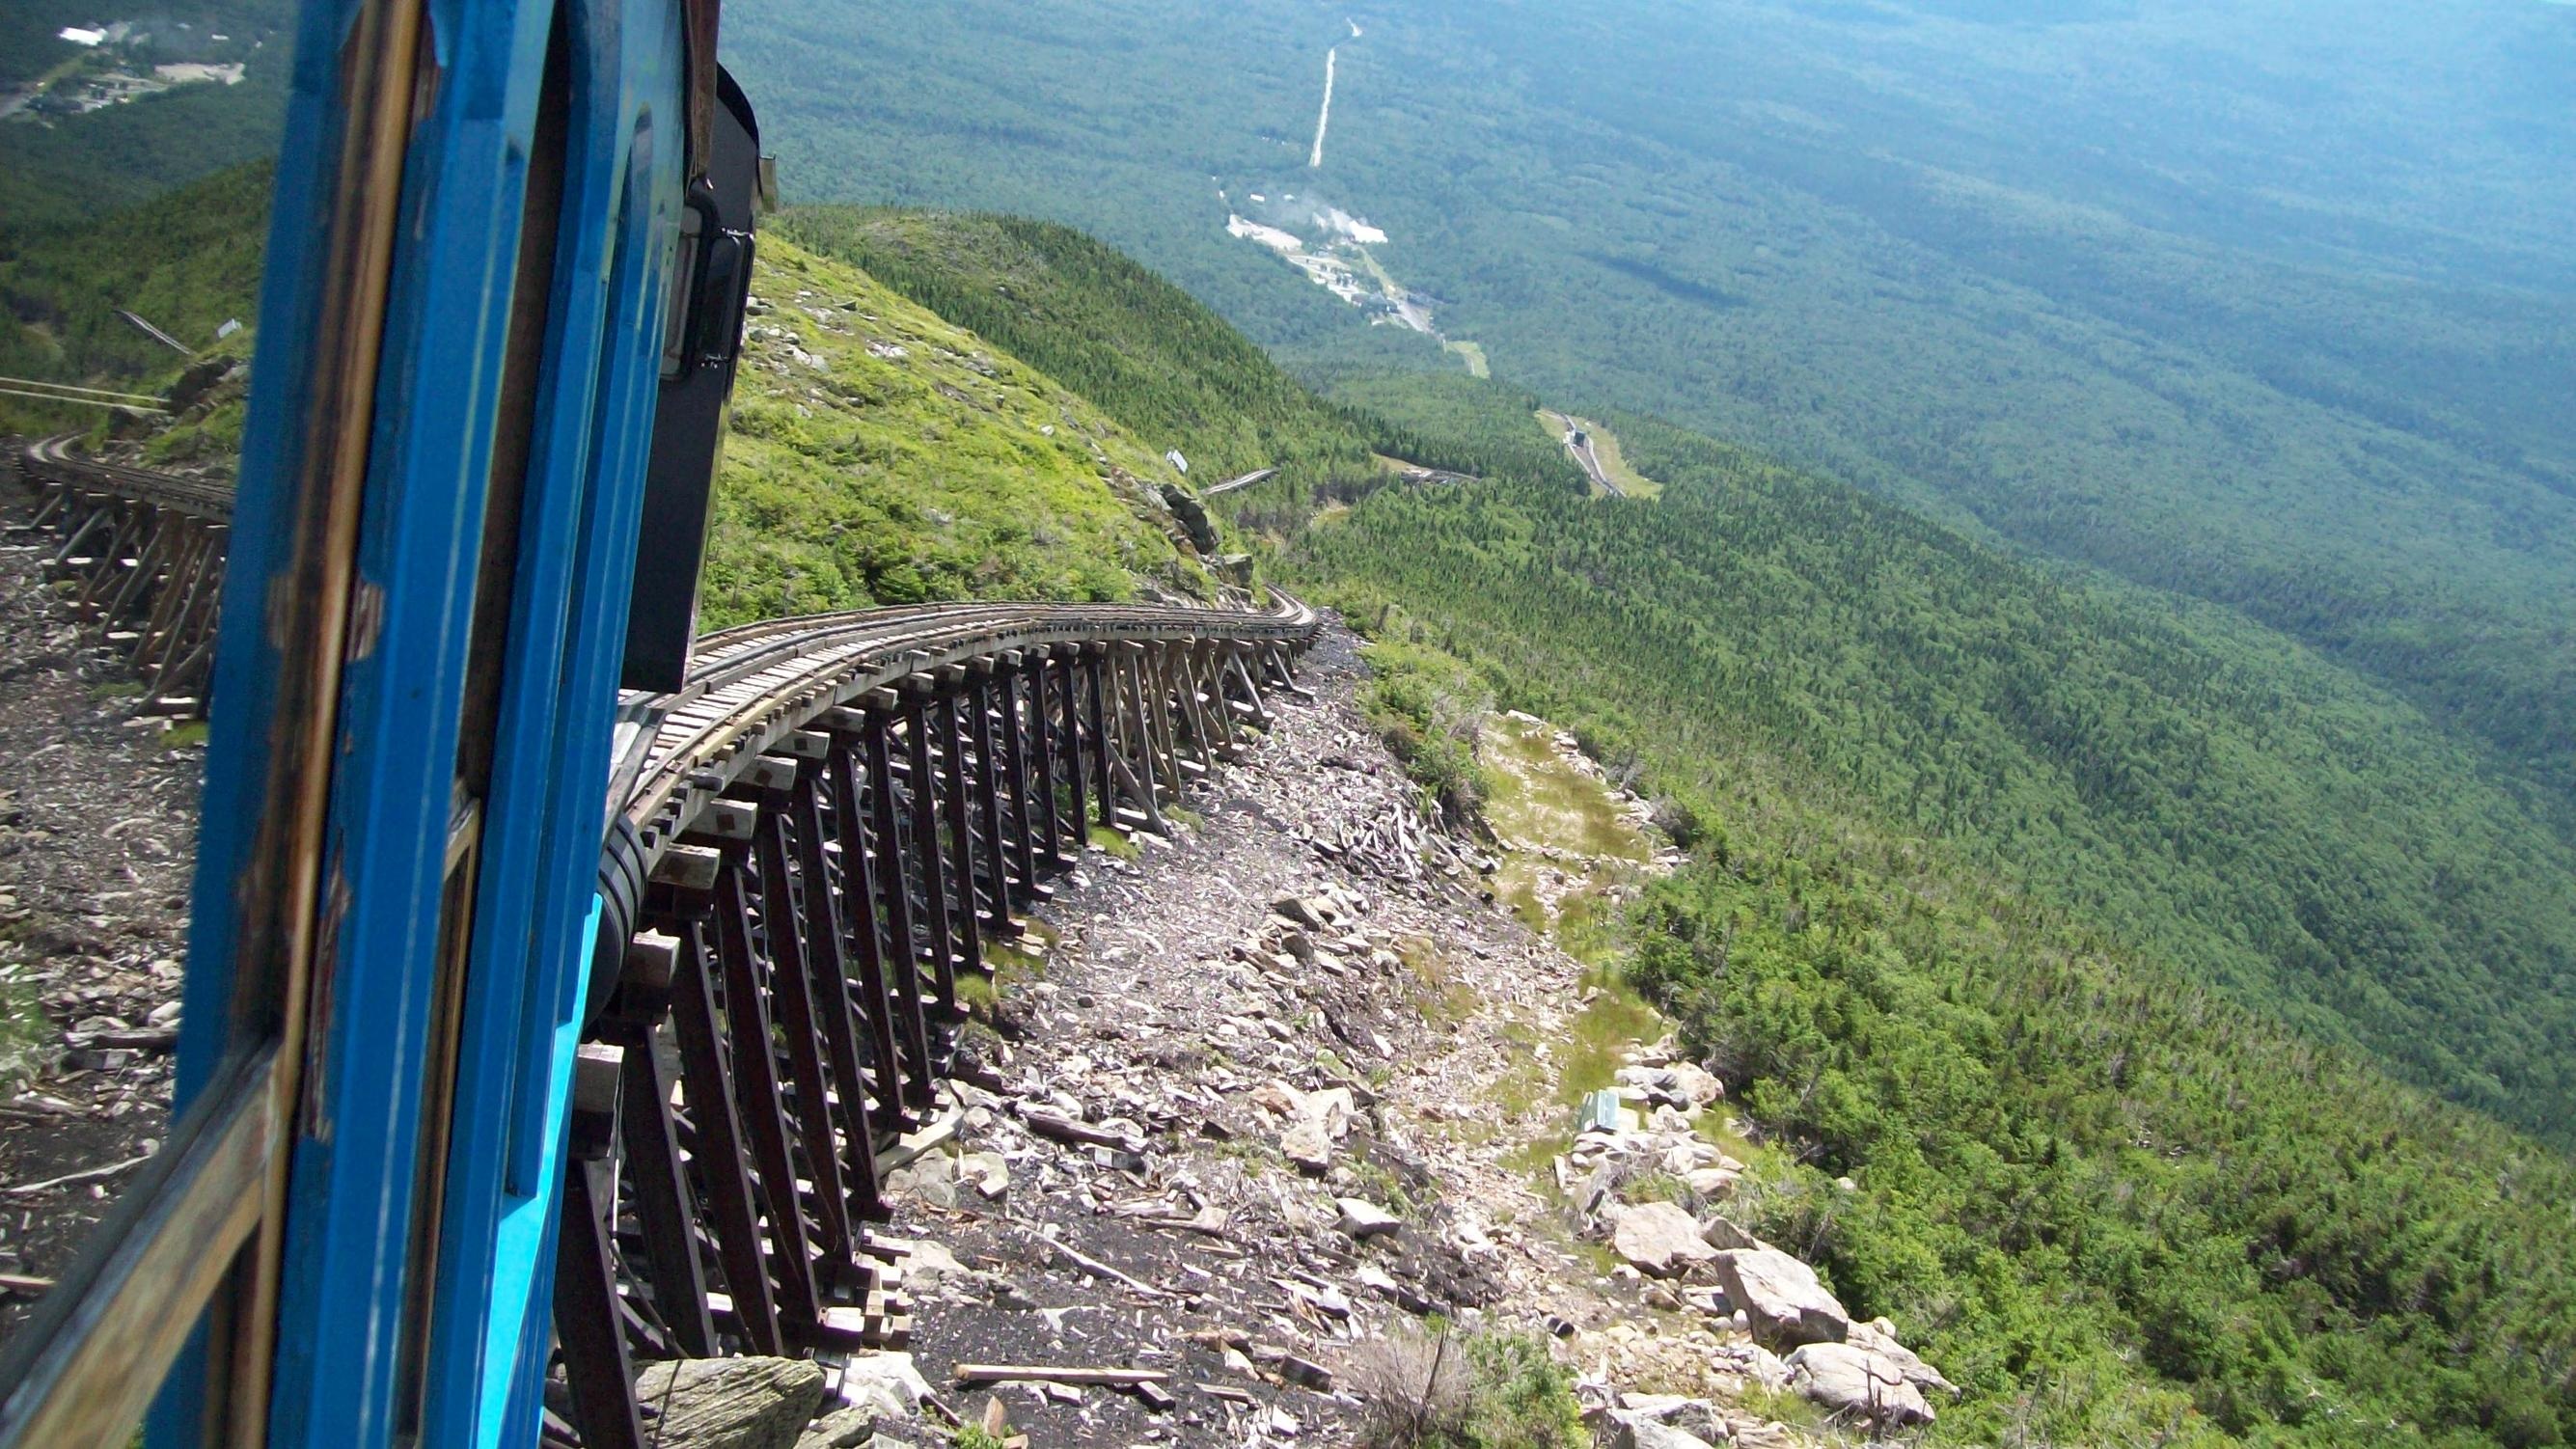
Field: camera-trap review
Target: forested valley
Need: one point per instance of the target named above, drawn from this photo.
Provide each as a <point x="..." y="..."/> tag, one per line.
<point x="2267" y="311"/>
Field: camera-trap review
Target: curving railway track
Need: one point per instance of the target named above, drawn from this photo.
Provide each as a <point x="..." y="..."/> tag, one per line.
<point x="808" y="847"/>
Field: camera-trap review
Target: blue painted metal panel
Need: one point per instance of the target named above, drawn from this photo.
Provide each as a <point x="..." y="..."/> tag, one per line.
<point x="353" y="1188"/>
<point x="549" y="786"/>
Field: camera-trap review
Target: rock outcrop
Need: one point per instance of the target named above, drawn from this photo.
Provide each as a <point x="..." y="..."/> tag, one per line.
<point x="731" y="1403"/>
<point x="1659" y="1239"/>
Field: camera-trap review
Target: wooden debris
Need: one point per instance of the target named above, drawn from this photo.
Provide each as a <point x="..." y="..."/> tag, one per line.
<point x="1099" y="1269"/>
<point x="1004" y="1373"/>
<point x="89" y="1174"/>
<point x="1061" y="1128"/>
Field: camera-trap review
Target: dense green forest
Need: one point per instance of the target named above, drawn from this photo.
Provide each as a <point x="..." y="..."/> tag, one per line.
<point x="60" y="169"/>
<point x="2003" y="884"/>
<point x="188" y="260"/>
<point x="157" y="205"/>
<point x="2269" y="309"/>
<point x="2201" y="787"/>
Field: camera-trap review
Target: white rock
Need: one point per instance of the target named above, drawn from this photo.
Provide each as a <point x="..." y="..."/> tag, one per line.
<point x="1308" y="1144"/>
<point x="1635" y="1432"/>
<point x="1722" y="1233"/>
<point x="891" y="1372"/>
<point x="1363" y="1219"/>
<point x="1848" y="1379"/>
<point x="1695" y="1085"/>
<point x="1714" y="1184"/>
<point x="1879" y="1337"/>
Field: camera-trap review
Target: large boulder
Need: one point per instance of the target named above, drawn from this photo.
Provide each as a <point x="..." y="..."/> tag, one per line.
<point x="1696" y="1417"/>
<point x="1724" y="1233"/>
<point x="731" y="1403"/>
<point x="1696" y="1085"/>
<point x="1879" y="1337"/>
<point x="1636" y="1431"/>
<point x="1848" y="1380"/>
<point x="1660" y="1239"/>
<point x="1782" y="1301"/>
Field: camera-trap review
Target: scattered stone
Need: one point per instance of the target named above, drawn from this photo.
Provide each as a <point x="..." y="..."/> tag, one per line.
<point x="1307" y="1144"/>
<point x="841" y="1429"/>
<point x="1879" y="1337"/>
<point x="731" y="1403"/>
<point x="1635" y="1432"/>
<point x="1362" y="1219"/>
<point x="1696" y="1417"/>
<point x="892" y="1374"/>
<point x="1723" y="1234"/>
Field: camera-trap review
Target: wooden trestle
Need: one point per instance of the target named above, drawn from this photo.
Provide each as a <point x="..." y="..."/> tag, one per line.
<point x="833" y="825"/>
<point x="789" y="997"/>
<point x="145" y="553"/>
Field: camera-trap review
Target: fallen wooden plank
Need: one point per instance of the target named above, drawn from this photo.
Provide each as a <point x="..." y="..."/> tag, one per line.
<point x="1066" y="1129"/>
<point x="1005" y="1373"/>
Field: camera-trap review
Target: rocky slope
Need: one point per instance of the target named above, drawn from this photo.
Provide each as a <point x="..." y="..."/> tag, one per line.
<point x="97" y="833"/>
<point x="1272" y="1106"/>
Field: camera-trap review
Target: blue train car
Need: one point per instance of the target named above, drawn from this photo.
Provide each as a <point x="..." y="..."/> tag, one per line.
<point x="506" y="268"/>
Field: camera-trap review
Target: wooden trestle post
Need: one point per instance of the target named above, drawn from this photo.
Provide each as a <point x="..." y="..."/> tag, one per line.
<point x="939" y="939"/>
<point x="859" y="892"/>
<point x="987" y="823"/>
<point x="913" y="1080"/>
<point x="971" y="922"/>
<point x="1015" y="777"/>
<point x="1094" y="660"/>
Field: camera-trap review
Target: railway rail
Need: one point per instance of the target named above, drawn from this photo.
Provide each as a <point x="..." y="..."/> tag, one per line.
<point x="835" y="821"/>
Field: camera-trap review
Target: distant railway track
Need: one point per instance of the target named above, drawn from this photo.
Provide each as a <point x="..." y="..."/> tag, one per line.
<point x="146" y="551"/>
<point x="1578" y="444"/>
<point x="810" y="844"/>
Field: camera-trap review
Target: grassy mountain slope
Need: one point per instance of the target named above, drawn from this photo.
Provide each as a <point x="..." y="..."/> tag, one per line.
<point x="2262" y="305"/>
<point x="1101" y="324"/>
<point x="881" y="455"/>
<point x="1971" y="840"/>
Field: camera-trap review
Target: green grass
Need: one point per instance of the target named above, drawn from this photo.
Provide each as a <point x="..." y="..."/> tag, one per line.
<point x="882" y="456"/>
<point x="1535" y="794"/>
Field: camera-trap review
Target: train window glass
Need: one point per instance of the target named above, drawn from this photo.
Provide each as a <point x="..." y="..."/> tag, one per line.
<point x="676" y="338"/>
<point x="138" y="159"/>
